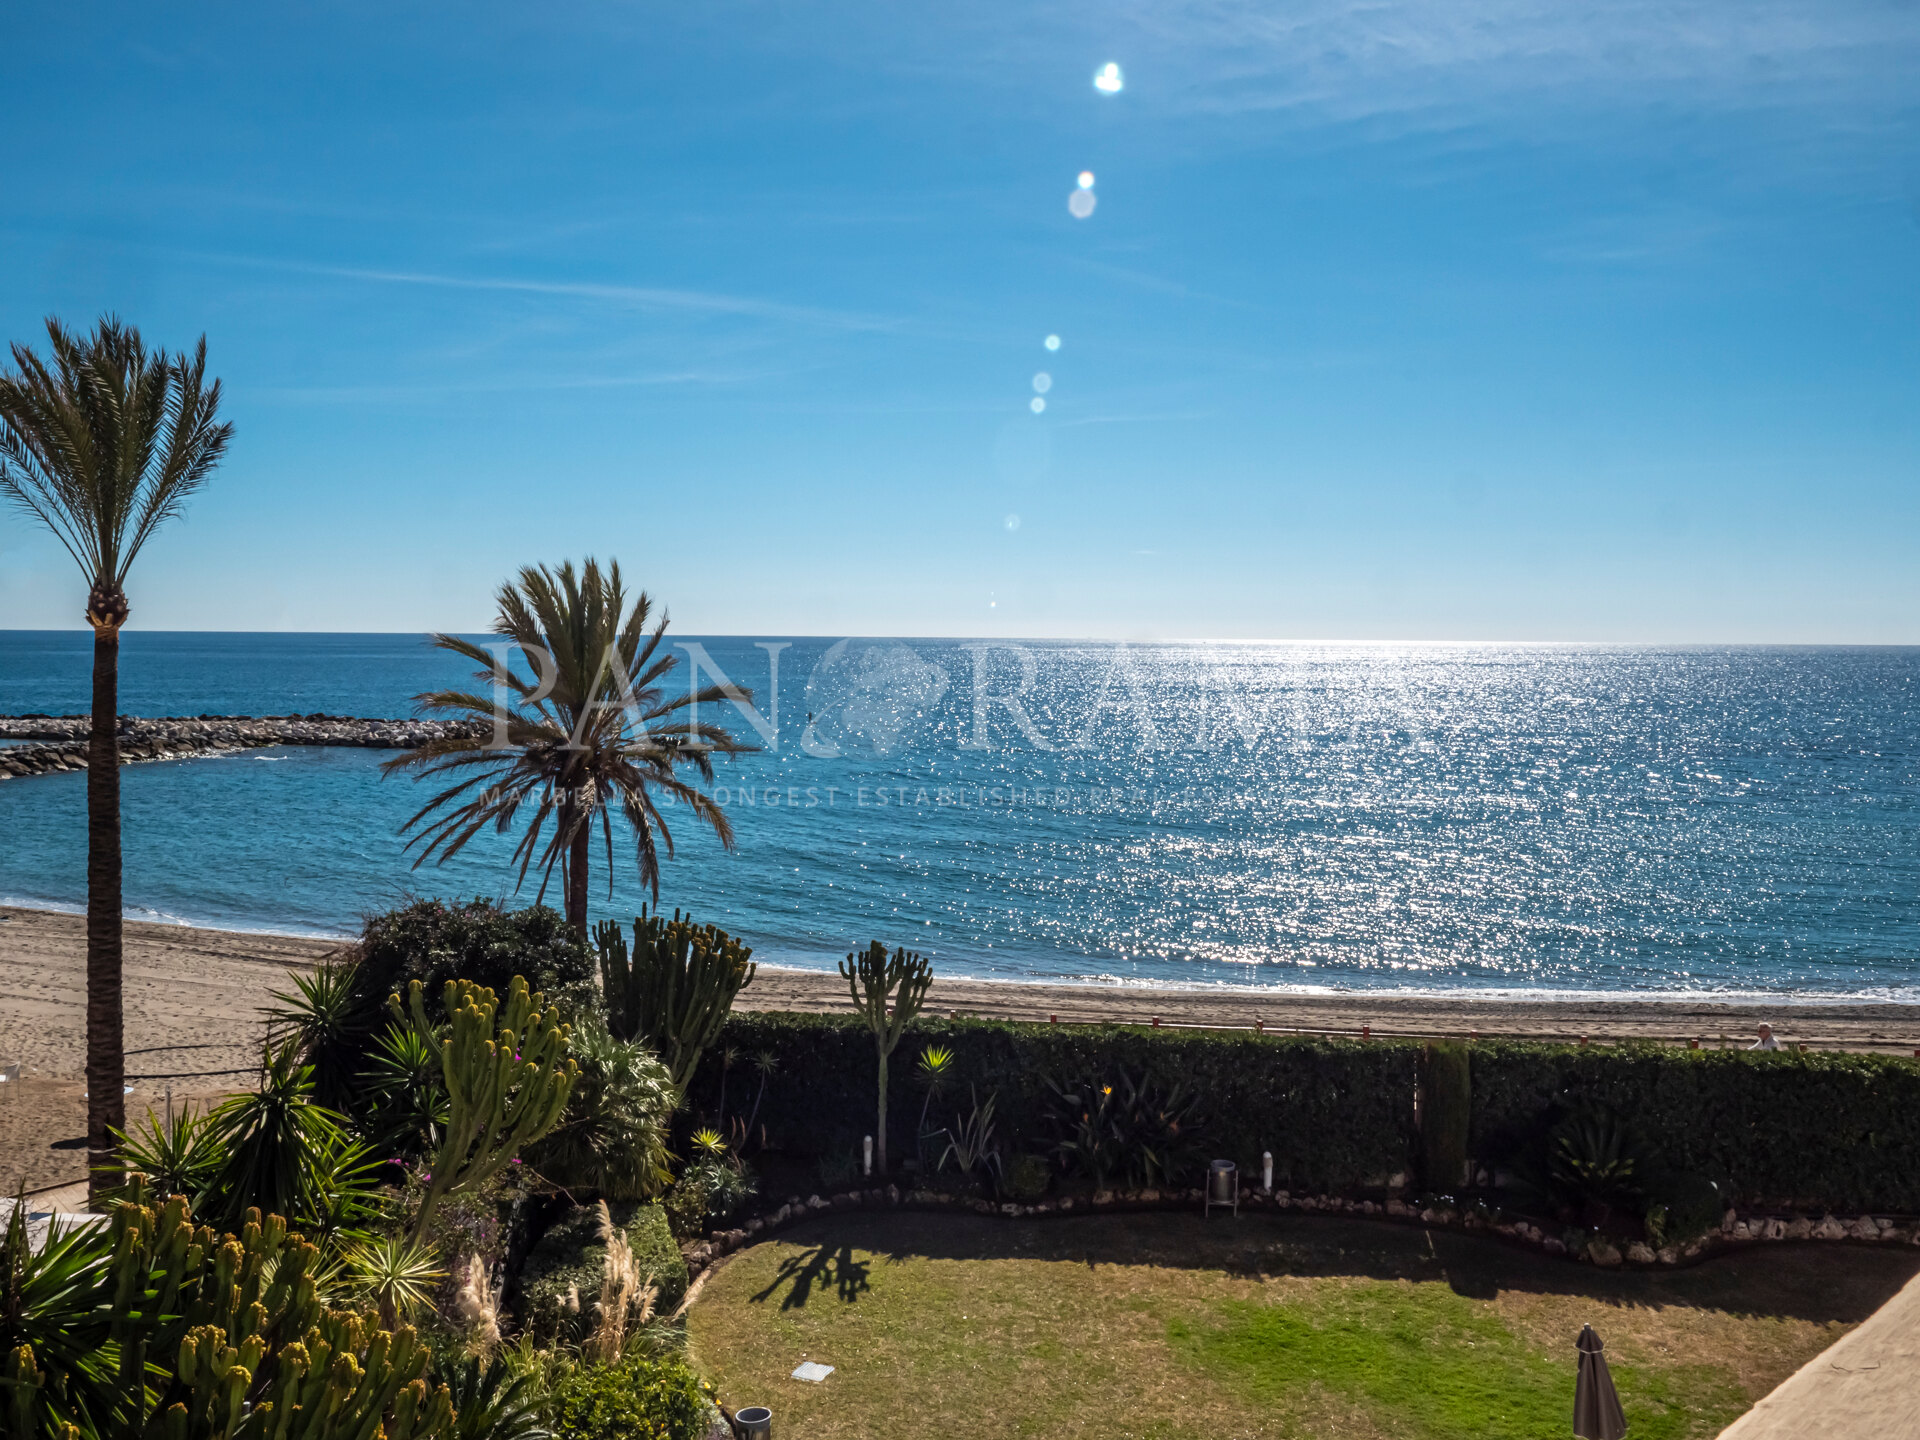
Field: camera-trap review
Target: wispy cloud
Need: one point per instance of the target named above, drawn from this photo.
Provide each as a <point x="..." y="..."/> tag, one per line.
<point x="645" y="297"/>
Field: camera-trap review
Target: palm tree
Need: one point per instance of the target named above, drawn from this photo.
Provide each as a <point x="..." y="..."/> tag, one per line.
<point x="594" y="730"/>
<point x="104" y="443"/>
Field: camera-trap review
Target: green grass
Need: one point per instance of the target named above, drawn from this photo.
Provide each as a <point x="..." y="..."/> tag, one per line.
<point x="1432" y="1364"/>
<point x="1165" y="1326"/>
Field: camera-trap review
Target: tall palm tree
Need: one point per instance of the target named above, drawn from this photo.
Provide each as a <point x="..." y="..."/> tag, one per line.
<point x="591" y="731"/>
<point x="104" y="442"/>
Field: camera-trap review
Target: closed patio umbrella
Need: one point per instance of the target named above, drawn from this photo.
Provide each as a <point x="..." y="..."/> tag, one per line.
<point x="1596" y="1408"/>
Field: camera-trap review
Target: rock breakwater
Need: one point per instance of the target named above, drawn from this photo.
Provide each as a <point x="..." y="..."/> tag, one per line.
<point x="55" y="743"/>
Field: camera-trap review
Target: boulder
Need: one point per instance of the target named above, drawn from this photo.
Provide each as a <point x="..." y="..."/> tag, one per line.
<point x="1640" y="1254"/>
<point x="1601" y="1253"/>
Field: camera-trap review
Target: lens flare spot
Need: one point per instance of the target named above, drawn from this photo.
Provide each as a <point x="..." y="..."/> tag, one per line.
<point x="1042" y="383"/>
<point x="1081" y="203"/>
<point x="1037" y="405"/>
<point x="1013" y="522"/>
<point x="1108" y="80"/>
<point x="1053" y="342"/>
<point x="1086" y="180"/>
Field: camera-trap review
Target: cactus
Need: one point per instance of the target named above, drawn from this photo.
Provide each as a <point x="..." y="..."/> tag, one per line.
<point x="508" y="1077"/>
<point x="675" y="992"/>
<point x="198" y="1336"/>
<point x="888" y="991"/>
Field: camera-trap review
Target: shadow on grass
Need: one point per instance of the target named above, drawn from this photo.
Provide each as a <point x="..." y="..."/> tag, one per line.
<point x="1817" y="1282"/>
<point x="820" y="1266"/>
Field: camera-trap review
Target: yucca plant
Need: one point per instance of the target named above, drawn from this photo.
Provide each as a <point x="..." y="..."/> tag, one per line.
<point x="322" y="1015"/>
<point x="279" y="1149"/>
<point x="592" y="731"/>
<point x="398" y="1275"/>
<point x="935" y="1067"/>
<point x="179" y="1155"/>
<point x="103" y="443"/>
<point x="404" y="1094"/>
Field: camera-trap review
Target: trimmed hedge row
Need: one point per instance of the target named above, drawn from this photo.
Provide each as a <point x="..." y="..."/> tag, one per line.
<point x="1335" y="1113"/>
<point x="1832" y="1130"/>
<point x="1773" y="1128"/>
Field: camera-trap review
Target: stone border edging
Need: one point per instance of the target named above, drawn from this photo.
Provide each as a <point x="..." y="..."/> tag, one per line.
<point x="1734" y="1233"/>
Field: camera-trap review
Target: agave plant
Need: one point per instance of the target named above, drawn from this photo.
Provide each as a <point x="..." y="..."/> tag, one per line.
<point x="1590" y="1160"/>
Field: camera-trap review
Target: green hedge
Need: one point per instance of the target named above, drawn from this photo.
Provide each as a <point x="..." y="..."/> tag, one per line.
<point x="1333" y="1112"/>
<point x="638" y="1397"/>
<point x="1771" y="1128"/>
<point x="1818" y="1130"/>
<point x="571" y="1256"/>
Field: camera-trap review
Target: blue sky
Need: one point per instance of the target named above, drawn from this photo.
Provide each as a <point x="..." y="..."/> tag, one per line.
<point x="1496" y="319"/>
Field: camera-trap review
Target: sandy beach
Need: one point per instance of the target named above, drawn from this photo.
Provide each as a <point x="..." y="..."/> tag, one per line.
<point x="194" y="1019"/>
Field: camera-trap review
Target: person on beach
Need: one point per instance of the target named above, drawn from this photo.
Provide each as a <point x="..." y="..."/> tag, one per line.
<point x="1767" y="1040"/>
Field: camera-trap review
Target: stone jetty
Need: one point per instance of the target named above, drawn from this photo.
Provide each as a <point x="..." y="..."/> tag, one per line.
<point x="60" y="741"/>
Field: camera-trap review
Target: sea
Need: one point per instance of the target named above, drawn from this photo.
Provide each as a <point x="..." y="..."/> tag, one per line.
<point x="1570" y="820"/>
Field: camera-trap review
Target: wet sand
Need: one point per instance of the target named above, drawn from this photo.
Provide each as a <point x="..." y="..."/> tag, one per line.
<point x="194" y="1003"/>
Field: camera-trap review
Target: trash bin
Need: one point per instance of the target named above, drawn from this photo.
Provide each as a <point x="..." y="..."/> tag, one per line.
<point x="1223" y="1185"/>
<point x="753" y="1423"/>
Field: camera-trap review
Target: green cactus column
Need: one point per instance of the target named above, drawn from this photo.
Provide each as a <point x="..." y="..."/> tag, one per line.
<point x="888" y="991"/>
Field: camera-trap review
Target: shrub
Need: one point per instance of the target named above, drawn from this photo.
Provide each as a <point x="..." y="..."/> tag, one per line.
<point x="570" y="1257"/>
<point x="612" y="1139"/>
<point x="639" y="1397"/>
<point x="1027" y="1178"/>
<point x="434" y="942"/>
<point x="1681" y="1207"/>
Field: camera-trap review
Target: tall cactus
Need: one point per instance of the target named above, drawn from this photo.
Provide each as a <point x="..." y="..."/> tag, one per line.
<point x="675" y="990"/>
<point x="508" y="1077"/>
<point x="888" y="991"/>
<point x="198" y="1336"/>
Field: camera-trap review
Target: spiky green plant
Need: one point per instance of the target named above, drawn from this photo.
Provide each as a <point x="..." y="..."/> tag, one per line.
<point x="766" y="1065"/>
<point x="888" y="991"/>
<point x="178" y="1155"/>
<point x="148" y="1327"/>
<point x="593" y="730"/>
<point x="322" y="1016"/>
<point x="674" y="989"/>
<point x="396" y="1274"/>
<point x="404" y="1096"/>
<point x="494" y="1399"/>
<point x="104" y="443"/>
<point x="936" y="1066"/>
<point x="507" y="1075"/>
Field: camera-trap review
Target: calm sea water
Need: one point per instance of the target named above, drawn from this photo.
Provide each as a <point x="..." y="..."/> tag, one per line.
<point x="1431" y="817"/>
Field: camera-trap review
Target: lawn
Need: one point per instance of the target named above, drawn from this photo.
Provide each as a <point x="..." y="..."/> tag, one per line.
<point x="1167" y="1326"/>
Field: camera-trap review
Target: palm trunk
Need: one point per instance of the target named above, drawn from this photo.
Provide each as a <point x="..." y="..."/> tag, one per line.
<point x="577" y="876"/>
<point x="106" y="1058"/>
